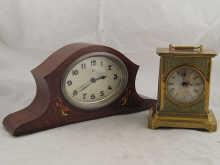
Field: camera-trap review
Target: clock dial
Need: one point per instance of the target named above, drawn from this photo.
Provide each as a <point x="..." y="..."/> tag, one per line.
<point x="185" y="85"/>
<point x="94" y="80"/>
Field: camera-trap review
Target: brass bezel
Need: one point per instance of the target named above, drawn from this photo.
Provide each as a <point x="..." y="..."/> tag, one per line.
<point x="197" y="69"/>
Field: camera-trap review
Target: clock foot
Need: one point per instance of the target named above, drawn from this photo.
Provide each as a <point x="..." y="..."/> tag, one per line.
<point x="156" y="120"/>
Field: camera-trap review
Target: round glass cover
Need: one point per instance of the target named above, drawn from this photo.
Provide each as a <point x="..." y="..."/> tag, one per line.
<point x="185" y="85"/>
<point x="94" y="80"/>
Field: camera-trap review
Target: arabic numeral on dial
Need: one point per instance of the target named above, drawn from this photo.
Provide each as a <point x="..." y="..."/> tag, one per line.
<point x="75" y="72"/>
<point x="109" y="87"/>
<point x="115" y="76"/>
<point x="93" y="62"/>
<point x="92" y="96"/>
<point x="69" y="82"/>
<point x="109" y="67"/>
<point x="75" y="93"/>
<point x="84" y="95"/>
<point x="83" y="66"/>
<point x="101" y="93"/>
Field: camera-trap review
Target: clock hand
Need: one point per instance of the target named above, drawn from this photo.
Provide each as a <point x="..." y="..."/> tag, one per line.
<point x="88" y="83"/>
<point x="187" y="76"/>
<point x="101" y="77"/>
<point x="83" y="86"/>
<point x="183" y="74"/>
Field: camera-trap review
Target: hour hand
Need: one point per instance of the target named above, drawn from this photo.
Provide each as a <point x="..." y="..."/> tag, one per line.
<point x="93" y="80"/>
<point x="101" y="77"/>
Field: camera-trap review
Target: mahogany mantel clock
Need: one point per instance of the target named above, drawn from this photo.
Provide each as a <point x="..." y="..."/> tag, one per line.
<point x="76" y="83"/>
<point x="183" y="91"/>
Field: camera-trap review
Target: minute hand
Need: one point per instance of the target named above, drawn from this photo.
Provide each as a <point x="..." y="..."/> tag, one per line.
<point x="84" y="86"/>
<point x="88" y="83"/>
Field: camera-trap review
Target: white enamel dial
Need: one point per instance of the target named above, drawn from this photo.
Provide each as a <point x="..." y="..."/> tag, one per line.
<point x="185" y="85"/>
<point x="94" y="80"/>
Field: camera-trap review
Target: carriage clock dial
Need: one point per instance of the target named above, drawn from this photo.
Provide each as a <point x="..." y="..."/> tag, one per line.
<point x="185" y="85"/>
<point x="95" y="80"/>
<point x="183" y="89"/>
<point x="79" y="82"/>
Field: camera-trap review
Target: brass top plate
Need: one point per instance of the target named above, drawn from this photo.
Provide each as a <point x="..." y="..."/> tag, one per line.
<point x="188" y="52"/>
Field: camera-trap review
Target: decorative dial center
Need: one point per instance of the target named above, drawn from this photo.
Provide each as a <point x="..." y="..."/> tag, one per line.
<point x="185" y="85"/>
<point x="95" y="80"/>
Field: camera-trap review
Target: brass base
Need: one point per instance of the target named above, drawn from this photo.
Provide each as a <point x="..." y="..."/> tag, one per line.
<point x="155" y="121"/>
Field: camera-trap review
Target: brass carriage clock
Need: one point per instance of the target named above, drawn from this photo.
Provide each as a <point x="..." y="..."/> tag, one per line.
<point x="183" y="90"/>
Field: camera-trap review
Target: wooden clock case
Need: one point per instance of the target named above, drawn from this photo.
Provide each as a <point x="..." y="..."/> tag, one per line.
<point x="49" y="108"/>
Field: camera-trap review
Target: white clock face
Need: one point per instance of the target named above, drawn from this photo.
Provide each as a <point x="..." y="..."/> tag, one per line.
<point x="185" y="85"/>
<point x="94" y="80"/>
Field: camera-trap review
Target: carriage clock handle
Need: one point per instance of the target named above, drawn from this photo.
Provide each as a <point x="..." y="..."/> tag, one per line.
<point x="171" y="47"/>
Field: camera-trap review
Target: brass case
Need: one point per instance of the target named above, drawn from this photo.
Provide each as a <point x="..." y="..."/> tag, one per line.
<point x="208" y="123"/>
<point x="166" y="113"/>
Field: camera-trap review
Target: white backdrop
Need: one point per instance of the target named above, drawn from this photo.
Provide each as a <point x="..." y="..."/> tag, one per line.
<point x="30" y="30"/>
